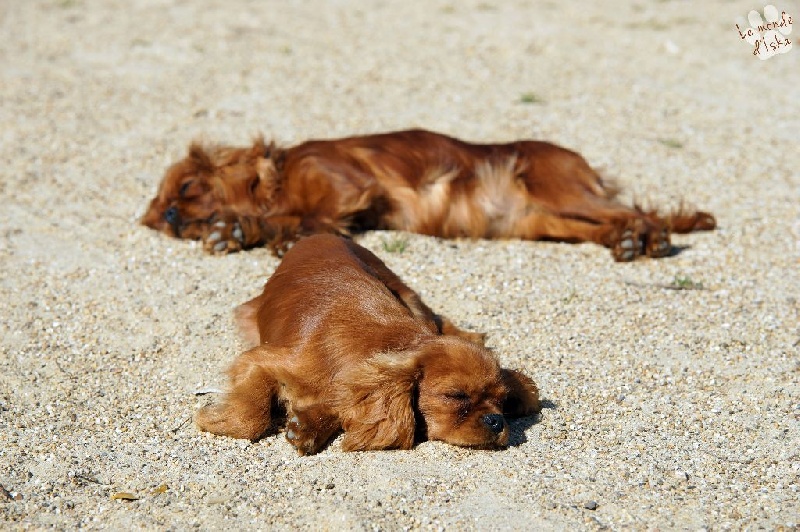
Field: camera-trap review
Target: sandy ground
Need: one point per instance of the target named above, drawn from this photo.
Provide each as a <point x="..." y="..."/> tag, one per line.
<point x="664" y="408"/>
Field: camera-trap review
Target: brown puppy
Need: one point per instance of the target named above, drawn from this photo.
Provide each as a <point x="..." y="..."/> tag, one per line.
<point x="345" y="345"/>
<point x="416" y="181"/>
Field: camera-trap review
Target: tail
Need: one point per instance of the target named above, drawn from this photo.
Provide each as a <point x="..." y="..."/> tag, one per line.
<point x="683" y="221"/>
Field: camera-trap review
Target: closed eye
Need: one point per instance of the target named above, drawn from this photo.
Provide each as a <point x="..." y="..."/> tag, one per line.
<point x="458" y="396"/>
<point x="185" y="189"/>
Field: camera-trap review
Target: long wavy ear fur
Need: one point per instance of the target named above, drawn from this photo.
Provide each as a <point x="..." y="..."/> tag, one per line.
<point x="376" y="406"/>
<point x="523" y="395"/>
<point x="199" y="157"/>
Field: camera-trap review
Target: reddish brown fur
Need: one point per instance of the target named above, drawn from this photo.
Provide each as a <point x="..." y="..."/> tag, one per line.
<point x="345" y="345"/>
<point x="416" y="181"/>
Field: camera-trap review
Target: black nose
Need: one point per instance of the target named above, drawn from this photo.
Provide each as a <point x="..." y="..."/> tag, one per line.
<point x="172" y="217"/>
<point x="495" y="422"/>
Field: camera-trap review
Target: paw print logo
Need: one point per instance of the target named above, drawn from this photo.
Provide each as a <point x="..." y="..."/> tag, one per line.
<point x="768" y="37"/>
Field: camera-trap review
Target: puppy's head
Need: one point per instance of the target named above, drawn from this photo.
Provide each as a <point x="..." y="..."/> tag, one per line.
<point x="447" y="389"/>
<point x="195" y="189"/>
<point x="463" y="394"/>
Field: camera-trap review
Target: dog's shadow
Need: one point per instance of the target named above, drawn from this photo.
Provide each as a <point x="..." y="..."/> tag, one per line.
<point x="677" y="250"/>
<point x="519" y="426"/>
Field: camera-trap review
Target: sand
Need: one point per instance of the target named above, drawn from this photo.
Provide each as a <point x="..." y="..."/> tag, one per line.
<point x="665" y="408"/>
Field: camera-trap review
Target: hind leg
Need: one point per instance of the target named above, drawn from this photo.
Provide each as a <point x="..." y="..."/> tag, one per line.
<point x="631" y="232"/>
<point x="246" y="411"/>
<point x="627" y="233"/>
<point x="563" y="185"/>
<point x="548" y="226"/>
<point x="633" y="224"/>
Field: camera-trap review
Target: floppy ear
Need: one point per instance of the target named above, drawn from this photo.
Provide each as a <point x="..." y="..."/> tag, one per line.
<point x="523" y="395"/>
<point x="266" y="170"/>
<point x="199" y="158"/>
<point x="259" y="148"/>
<point x="376" y="405"/>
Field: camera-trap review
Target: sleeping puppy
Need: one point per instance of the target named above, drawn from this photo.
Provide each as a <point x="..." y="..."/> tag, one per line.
<point x="344" y="344"/>
<point x="417" y="181"/>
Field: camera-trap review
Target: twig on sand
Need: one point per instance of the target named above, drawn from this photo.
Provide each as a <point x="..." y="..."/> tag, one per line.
<point x="183" y="424"/>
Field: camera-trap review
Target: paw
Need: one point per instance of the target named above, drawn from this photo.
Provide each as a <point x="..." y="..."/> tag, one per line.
<point x="221" y="420"/>
<point x="280" y="246"/>
<point x="223" y="237"/>
<point x="658" y="242"/>
<point x="302" y="435"/>
<point x="627" y="245"/>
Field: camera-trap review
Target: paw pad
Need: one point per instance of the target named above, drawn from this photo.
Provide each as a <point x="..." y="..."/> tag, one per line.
<point x="225" y="237"/>
<point x="627" y="249"/>
<point x="303" y="441"/>
<point x="237" y="233"/>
